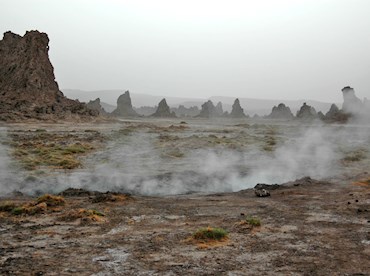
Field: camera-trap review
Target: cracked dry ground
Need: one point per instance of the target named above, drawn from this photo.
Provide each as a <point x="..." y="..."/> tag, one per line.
<point x="308" y="229"/>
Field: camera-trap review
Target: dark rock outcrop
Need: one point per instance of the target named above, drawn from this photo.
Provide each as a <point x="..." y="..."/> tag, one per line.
<point x="335" y="115"/>
<point x="321" y="115"/>
<point x="163" y="110"/>
<point x="219" y="110"/>
<point x="27" y="83"/>
<point x="183" y="111"/>
<point x="281" y="112"/>
<point x="208" y="110"/>
<point x="307" y="112"/>
<point x="95" y="105"/>
<point x="262" y="193"/>
<point x="237" y="111"/>
<point x="124" y="106"/>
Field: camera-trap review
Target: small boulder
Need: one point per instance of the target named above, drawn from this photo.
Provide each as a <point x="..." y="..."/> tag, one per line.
<point x="262" y="193"/>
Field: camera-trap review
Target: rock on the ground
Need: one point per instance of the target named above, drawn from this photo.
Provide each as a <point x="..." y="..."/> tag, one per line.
<point x="262" y="193"/>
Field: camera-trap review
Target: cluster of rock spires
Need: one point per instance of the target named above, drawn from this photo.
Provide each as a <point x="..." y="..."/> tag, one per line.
<point x="352" y="107"/>
<point x="28" y="90"/>
<point x="27" y="83"/>
<point x="210" y="111"/>
<point x="281" y="112"/>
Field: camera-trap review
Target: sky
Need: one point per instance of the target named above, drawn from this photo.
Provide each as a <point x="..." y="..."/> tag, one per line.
<point x="266" y="49"/>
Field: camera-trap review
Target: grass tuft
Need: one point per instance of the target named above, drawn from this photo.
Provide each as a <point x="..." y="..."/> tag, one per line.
<point x="253" y="221"/>
<point x="51" y="200"/>
<point x="210" y="233"/>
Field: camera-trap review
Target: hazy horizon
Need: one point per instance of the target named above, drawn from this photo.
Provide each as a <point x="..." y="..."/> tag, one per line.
<point x="288" y="50"/>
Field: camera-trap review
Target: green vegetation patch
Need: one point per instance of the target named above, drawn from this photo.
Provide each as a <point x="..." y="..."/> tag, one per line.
<point x="210" y="233"/>
<point x="253" y="221"/>
<point x="7" y="206"/>
<point x="51" y="200"/>
<point x="355" y="156"/>
<point x="59" y="150"/>
<point x="30" y="208"/>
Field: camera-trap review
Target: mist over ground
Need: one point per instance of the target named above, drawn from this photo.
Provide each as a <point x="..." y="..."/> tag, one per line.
<point x="207" y="157"/>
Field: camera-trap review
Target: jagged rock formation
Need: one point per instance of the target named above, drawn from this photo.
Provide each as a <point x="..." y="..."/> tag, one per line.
<point x="27" y="83"/>
<point x="281" y="112"/>
<point x="95" y="105"/>
<point x="351" y="104"/>
<point x="321" y="116"/>
<point x="183" y="111"/>
<point x="353" y="107"/>
<point x="237" y="111"/>
<point x="208" y="110"/>
<point x="307" y="112"/>
<point x="219" y="110"/>
<point x="335" y="115"/>
<point x="163" y="110"/>
<point x="124" y="106"/>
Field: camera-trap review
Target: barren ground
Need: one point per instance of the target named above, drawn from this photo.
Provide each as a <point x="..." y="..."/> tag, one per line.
<point x="308" y="227"/>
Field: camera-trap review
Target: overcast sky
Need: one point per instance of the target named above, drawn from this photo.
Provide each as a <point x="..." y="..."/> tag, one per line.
<point x="277" y="49"/>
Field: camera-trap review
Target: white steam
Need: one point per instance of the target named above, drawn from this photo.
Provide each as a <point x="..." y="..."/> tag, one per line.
<point x="6" y="176"/>
<point x="135" y="164"/>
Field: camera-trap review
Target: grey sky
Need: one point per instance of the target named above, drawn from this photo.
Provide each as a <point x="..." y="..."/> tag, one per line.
<point x="278" y="49"/>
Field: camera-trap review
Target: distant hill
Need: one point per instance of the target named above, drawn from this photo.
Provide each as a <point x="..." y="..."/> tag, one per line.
<point x="251" y="106"/>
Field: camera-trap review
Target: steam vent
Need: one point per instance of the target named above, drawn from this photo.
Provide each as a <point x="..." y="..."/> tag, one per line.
<point x="27" y="83"/>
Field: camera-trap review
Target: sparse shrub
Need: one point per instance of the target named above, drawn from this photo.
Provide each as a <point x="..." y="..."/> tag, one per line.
<point x="253" y="221"/>
<point x="125" y="131"/>
<point x="355" y="156"/>
<point x="68" y="163"/>
<point x="210" y="233"/>
<point x="86" y="215"/>
<point x="51" y="200"/>
<point x="18" y="211"/>
<point x="32" y="209"/>
<point x="75" y="148"/>
<point x="7" y="206"/>
<point x="56" y="150"/>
